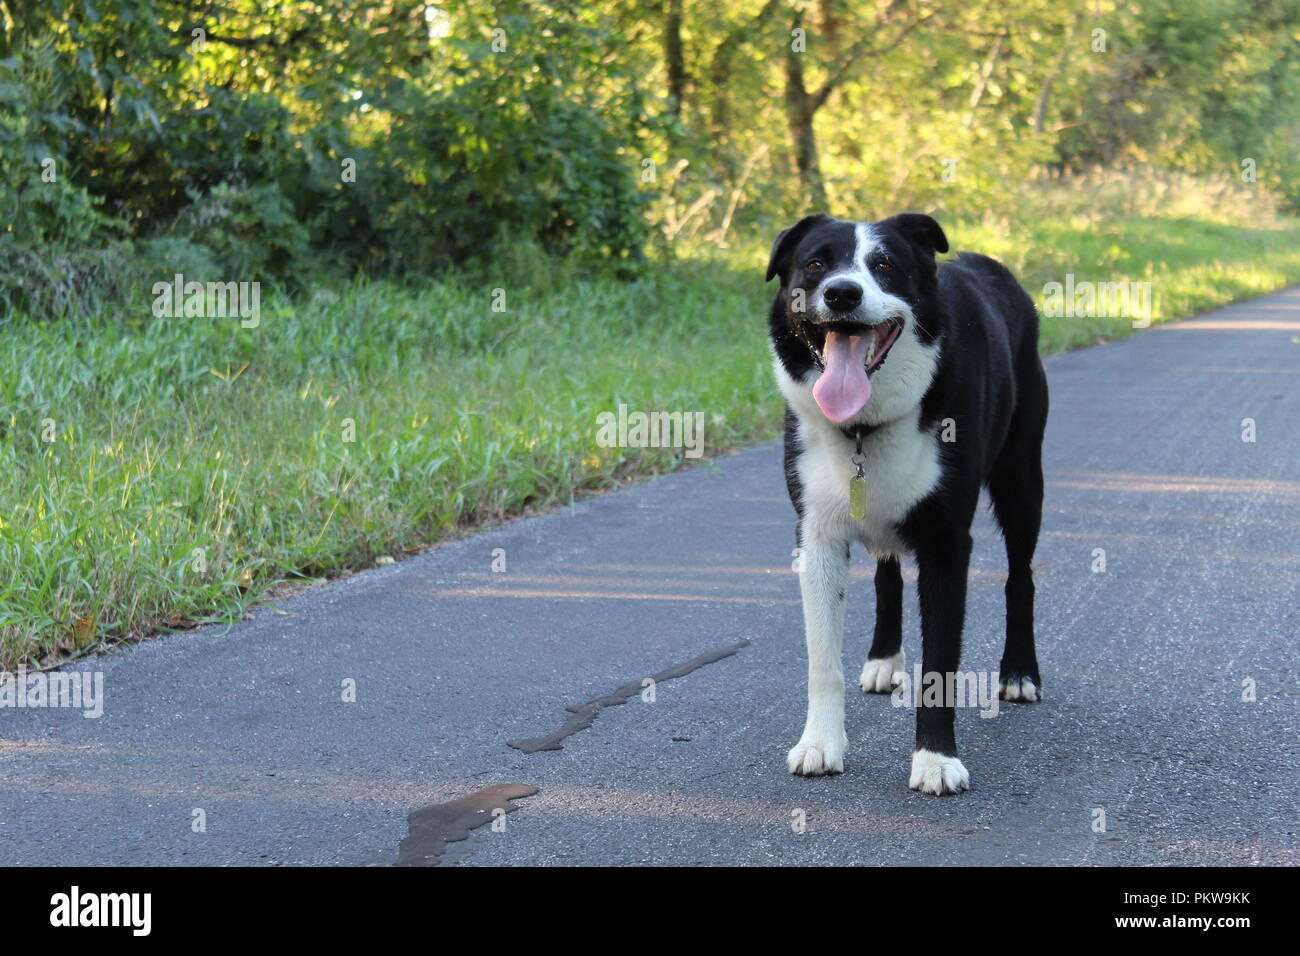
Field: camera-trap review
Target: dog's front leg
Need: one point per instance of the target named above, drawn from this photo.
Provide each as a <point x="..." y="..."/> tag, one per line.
<point x="941" y="582"/>
<point x="823" y="576"/>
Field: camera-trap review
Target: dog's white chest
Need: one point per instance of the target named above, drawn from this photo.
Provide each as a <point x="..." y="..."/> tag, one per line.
<point x="900" y="464"/>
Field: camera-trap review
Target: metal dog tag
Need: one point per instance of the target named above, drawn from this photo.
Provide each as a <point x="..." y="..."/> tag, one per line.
<point x="858" y="496"/>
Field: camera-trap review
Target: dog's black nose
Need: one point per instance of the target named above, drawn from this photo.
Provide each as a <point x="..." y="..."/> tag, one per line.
<point x="843" y="296"/>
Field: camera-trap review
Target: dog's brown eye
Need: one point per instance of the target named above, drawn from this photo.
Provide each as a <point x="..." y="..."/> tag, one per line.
<point x="814" y="265"/>
<point x="883" y="266"/>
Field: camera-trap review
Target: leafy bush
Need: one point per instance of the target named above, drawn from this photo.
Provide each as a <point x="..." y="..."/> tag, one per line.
<point x="560" y="182"/>
<point x="235" y="144"/>
<point x="51" y="250"/>
<point x="521" y="125"/>
<point x="251" y="230"/>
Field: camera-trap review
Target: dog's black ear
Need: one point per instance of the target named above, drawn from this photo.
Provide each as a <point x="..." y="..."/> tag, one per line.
<point x="783" y="248"/>
<point x="923" y="231"/>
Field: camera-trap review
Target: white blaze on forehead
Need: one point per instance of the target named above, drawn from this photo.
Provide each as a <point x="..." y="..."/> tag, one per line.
<point x="877" y="304"/>
<point x="866" y="241"/>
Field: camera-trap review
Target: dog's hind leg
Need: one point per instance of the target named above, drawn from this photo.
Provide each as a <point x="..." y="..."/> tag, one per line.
<point x="884" y="665"/>
<point x="1016" y="488"/>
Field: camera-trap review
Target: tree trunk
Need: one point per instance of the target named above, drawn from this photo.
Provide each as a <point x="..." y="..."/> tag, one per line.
<point x="986" y="73"/>
<point x="830" y="24"/>
<point x="799" y="111"/>
<point x="675" y="59"/>
<point x="720" y="78"/>
<point x="1045" y="95"/>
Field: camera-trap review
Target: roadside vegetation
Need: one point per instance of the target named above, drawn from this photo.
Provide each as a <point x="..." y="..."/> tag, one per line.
<point x="466" y="255"/>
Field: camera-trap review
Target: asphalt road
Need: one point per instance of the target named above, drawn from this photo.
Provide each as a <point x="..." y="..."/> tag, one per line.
<point x="1145" y="668"/>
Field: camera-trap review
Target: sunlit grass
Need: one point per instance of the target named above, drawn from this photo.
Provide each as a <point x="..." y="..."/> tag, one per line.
<point x="194" y="463"/>
<point x="1192" y="265"/>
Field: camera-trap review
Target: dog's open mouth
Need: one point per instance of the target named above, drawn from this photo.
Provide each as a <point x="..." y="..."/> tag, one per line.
<point x="879" y="339"/>
<point x="848" y="354"/>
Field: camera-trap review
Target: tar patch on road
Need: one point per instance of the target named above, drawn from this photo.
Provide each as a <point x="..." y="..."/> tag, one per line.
<point x="434" y="826"/>
<point x="585" y="714"/>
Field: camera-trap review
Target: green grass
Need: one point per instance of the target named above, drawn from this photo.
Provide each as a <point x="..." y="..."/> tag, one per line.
<point x="195" y="463"/>
<point x="1193" y="264"/>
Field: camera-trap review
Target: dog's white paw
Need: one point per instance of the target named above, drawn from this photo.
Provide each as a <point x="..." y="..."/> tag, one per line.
<point x="881" y="674"/>
<point x="937" y="774"/>
<point x="813" y="755"/>
<point x="1022" y="689"/>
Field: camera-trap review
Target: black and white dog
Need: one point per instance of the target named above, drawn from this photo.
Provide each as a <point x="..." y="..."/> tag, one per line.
<point x="925" y="380"/>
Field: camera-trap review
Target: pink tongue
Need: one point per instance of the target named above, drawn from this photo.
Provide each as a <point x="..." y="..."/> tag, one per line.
<point x="844" y="387"/>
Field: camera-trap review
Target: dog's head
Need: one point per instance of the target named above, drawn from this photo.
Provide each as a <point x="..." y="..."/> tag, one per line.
<point x="853" y="296"/>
